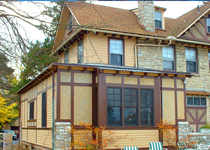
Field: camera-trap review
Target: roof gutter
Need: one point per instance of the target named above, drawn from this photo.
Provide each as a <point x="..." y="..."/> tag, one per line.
<point x="126" y="34"/>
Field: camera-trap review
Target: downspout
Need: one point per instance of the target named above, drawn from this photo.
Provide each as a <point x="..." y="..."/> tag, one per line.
<point x="161" y="98"/>
<point x="53" y="146"/>
<point x="135" y="49"/>
<point x="20" y="122"/>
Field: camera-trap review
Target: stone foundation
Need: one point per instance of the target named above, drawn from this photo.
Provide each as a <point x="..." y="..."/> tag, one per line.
<point x="62" y="135"/>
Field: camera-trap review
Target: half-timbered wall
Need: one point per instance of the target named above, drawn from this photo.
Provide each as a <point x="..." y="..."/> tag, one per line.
<point x="32" y="130"/>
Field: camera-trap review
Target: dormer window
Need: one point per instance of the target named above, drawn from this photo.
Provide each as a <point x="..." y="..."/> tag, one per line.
<point x="158" y="19"/>
<point x="70" y="21"/>
<point x="208" y="24"/>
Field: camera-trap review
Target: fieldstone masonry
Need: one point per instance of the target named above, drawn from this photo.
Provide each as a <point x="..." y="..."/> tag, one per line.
<point x="62" y="135"/>
<point x="146" y="15"/>
<point x="183" y="130"/>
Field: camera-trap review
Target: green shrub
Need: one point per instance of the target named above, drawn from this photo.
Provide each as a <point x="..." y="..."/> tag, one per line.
<point x="206" y="126"/>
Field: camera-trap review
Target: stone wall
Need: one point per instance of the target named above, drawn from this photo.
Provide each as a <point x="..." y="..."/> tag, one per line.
<point x="62" y="135"/>
<point x="150" y="57"/>
<point x="146" y="15"/>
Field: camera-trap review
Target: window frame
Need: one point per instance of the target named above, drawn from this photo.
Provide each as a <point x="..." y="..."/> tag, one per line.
<point x="208" y="32"/>
<point x="193" y="101"/>
<point x="122" y="119"/>
<point x="174" y="53"/>
<point x="161" y="22"/>
<point x="30" y="115"/>
<point x="196" y="60"/>
<point x="123" y="50"/>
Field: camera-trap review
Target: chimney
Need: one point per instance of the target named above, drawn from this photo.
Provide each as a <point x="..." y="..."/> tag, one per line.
<point x="198" y="9"/>
<point x="146" y="15"/>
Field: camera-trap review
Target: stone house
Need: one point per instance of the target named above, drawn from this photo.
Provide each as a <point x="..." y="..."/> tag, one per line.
<point x="123" y="69"/>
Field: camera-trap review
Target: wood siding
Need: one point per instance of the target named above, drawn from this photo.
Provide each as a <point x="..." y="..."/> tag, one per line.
<point x="44" y="138"/>
<point x="139" y="138"/>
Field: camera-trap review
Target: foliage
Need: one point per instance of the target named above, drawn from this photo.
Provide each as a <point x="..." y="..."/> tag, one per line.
<point x="5" y="71"/>
<point x="206" y="126"/>
<point x="84" y="139"/>
<point x="36" y="60"/>
<point x="7" y="113"/>
<point x="168" y="133"/>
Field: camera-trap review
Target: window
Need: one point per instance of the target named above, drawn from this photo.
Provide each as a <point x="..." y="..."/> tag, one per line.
<point x="158" y="19"/>
<point x="66" y="56"/>
<point x="116" y="51"/>
<point x="127" y="104"/>
<point x="131" y="107"/>
<point x="209" y="58"/>
<point x="31" y="113"/>
<point x="208" y="24"/>
<point x="146" y="107"/>
<point x="44" y="109"/>
<point x="191" y="62"/>
<point x="70" y="21"/>
<point x="168" y="58"/>
<point x="80" y="51"/>
<point x="114" y="106"/>
<point x="196" y="101"/>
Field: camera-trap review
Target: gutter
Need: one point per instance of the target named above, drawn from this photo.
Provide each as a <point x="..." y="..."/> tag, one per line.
<point x="158" y="45"/>
<point x="126" y="34"/>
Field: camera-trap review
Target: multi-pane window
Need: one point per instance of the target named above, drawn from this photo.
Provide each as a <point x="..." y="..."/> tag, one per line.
<point x="123" y="108"/>
<point x="131" y="107"/>
<point x="44" y="117"/>
<point x="116" y="51"/>
<point x="158" y="19"/>
<point x="191" y="61"/>
<point x="168" y="58"/>
<point x="208" y="24"/>
<point x="146" y="107"/>
<point x="80" y="51"/>
<point x="209" y="58"/>
<point x="196" y="101"/>
<point x="66" y="56"/>
<point x="31" y="113"/>
<point x="114" y="103"/>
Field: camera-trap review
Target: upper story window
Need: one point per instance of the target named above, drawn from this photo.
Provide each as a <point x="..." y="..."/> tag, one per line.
<point x="191" y="60"/>
<point x="116" y="51"/>
<point x="209" y="58"/>
<point x="44" y="110"/>
<point x="168" y="58"/>
<point x="158" y="19"/>
<point x="80" y="51"/>
<point x="70" y="23"/>
<point x="129" y="114"/>
<point x="66" y="56"/>
<point x="31" y="108"/>
<point x="196" y="101"/>
<point x="208" y="24"/>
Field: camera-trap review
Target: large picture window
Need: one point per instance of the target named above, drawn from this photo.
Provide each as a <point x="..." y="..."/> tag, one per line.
<point x="123" y="107"/>
<point x="158" y="19"/>
<point x="44" y="115"/>
<point x="31" y="113"/>
<point x="168" y="58"/>
<point x="196" y="101"/>
<point x="191" y="60"/>
<point x="116" y="51"/>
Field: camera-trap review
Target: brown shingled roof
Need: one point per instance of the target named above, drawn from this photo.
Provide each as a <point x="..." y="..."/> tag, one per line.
<point x="201" y="93"/>
<point x="121" y="20"/>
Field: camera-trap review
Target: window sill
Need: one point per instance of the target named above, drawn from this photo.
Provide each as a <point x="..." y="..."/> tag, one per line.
<point x="32" y="120"/>
<point x="208" y="33"/>
<point x="159" y="29"/>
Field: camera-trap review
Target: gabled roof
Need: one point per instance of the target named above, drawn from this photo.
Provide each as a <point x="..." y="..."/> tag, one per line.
<point x="121" y="20"/>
